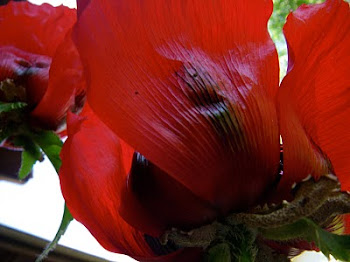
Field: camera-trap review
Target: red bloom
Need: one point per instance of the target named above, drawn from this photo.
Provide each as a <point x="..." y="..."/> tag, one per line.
<point x="37" y="53"/>
<point x="193" y="87"/>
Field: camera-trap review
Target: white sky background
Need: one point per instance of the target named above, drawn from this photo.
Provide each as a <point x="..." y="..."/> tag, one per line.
<point x="69" y="3"/>
<point x="36" y="207"/>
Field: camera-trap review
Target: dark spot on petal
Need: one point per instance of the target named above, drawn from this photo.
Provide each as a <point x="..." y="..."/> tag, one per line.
<point x="208" y="99"/>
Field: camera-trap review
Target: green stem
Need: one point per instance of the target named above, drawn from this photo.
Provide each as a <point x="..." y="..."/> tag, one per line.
<point x="66" y="219"/>
<point x="51" y="145"/>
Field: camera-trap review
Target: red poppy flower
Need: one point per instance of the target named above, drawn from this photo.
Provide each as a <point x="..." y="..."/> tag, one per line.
<point x="39" y="63"/>
<point x="190" y="94"/>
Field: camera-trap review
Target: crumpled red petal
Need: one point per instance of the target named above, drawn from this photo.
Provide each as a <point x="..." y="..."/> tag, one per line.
<point x="314" y="96"/>
<point x="191" y="86"/>
<point x="94" y="168"/>
<point x="66" y="87"/>
<point x="35" y="29"/>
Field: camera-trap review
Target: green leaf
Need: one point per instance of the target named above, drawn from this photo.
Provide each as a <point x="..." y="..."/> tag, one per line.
<point x="66" y="219"/>
<point x="219" y="253"/>
<point x="247" y="254"/>
<point x="330" y="244"/>
<point x="336" y="245"/>
<point x="31" y="153"/>
<point x="48" y="138"/>
<point x="7" y="107"/>
<point x="29" y="158"/>
<point x="53" y="153"/>
<point x="51" y="144"/>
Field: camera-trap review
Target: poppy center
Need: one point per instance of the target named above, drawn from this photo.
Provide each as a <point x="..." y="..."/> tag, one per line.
<point x="11" y="92"/>
<point x="24" y="76"/>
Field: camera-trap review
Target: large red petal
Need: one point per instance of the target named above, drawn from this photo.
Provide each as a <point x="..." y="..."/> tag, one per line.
<point x="35" y="29"/>
<point x="66" y="87"/>
<point x="315" y="95"/>
<point x="191" y="85"/>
